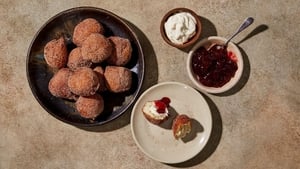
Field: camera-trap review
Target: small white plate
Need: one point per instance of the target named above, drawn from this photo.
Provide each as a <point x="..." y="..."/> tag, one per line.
<point x="157" y="141"/>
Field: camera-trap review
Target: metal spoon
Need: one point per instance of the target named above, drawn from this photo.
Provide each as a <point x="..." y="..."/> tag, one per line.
<point x="248" y="21"/>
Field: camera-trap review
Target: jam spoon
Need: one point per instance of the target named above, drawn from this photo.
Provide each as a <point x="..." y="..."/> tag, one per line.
<point x="248" y="21"/>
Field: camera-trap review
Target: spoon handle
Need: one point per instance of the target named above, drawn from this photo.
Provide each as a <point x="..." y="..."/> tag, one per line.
<point x="248" y="21"/>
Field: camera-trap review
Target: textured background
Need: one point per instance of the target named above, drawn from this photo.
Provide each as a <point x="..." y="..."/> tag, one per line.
<point x="257" y="124"/>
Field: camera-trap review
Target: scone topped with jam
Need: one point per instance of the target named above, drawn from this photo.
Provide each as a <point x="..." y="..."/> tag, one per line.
<point x="156" y="111"/>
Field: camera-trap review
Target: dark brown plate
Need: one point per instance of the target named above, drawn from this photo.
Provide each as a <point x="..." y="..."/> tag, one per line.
<point x="39" y="74"/>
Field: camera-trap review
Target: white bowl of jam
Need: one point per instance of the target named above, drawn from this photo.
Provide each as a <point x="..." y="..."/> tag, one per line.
<point x="213" y="67"/>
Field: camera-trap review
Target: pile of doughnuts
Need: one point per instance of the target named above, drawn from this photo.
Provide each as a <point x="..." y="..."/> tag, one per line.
<point x="95" y="65"/>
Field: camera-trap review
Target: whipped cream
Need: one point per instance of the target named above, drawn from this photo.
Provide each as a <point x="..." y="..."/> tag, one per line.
<point x="151" y="110"/>
<point x="180" y="27"/>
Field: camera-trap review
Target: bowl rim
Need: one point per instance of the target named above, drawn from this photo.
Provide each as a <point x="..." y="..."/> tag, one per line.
<point x="191" y="40"/>
<point x="233" y="81"/>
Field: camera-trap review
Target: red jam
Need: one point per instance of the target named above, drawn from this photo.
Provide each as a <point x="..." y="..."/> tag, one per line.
<point x="215" y="67"/>
<point x="166" y="100"/>
<point x="162" y="104"/>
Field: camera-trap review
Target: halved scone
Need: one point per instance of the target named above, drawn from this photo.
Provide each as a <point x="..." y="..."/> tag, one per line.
<point x="181" y="126"/>
<point x="156" y="111"/>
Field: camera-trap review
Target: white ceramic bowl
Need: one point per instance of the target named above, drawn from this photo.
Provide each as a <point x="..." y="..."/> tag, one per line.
<point x="207" y="42"/>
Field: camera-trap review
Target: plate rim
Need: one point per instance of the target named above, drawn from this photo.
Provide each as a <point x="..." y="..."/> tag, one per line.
<point x="133" y="114"/>
<point x="96" y="9"/>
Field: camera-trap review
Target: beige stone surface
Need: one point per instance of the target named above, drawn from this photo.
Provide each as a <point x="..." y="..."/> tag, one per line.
<point x="256" y="125"/>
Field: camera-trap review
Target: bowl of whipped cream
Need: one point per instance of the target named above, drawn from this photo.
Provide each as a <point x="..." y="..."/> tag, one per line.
<point x="180" y="27"/>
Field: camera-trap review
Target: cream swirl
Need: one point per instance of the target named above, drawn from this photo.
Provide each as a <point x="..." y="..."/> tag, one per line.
<point x="180" y="27"/>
